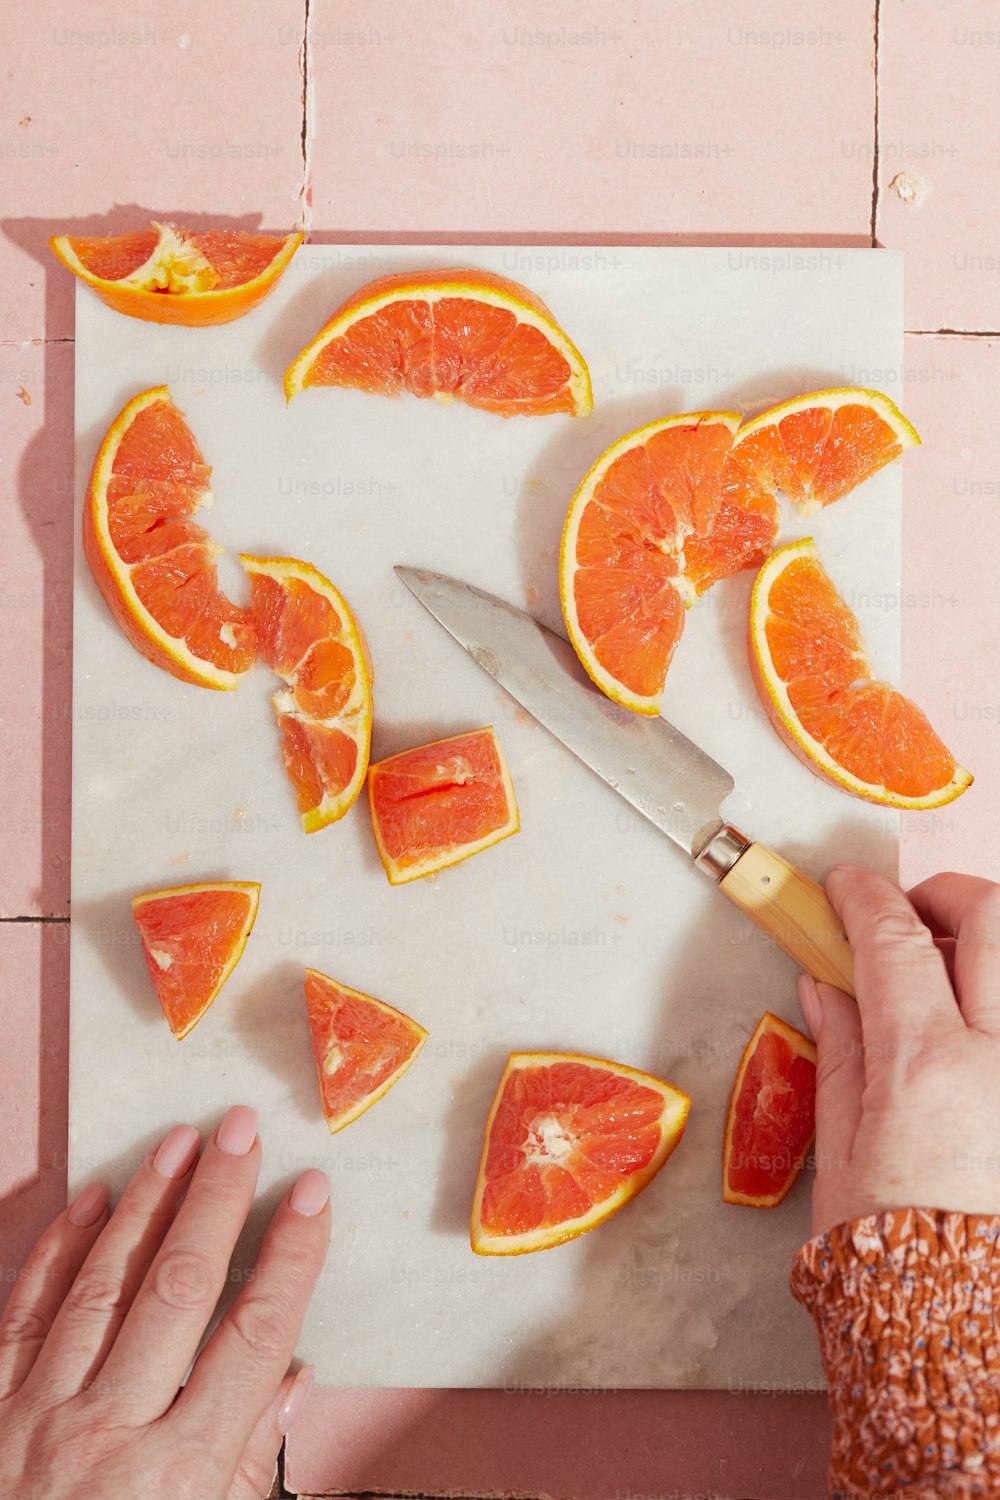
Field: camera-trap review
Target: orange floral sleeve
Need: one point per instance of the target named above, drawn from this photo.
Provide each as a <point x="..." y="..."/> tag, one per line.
<point x="907" y="1307"/>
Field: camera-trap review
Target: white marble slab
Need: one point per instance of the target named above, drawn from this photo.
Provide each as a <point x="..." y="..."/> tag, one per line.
<point x="588" y="931"/>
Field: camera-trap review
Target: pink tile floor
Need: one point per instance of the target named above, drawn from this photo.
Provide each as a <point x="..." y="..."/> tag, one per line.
<point x="817" y="123"/>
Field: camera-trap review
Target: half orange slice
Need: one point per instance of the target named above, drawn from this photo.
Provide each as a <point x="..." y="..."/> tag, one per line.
<point x="457" y="334"/>
<point x="621" y="560"/>
<point x="362" y="1047"/>
<point x="154" y="565"/>
<point x="813" y="678"/>
<point x="307" y="635"/>
<point x="569" y="1140"/>
<point x="193" y="937"/>
<point x="165" y="274"/>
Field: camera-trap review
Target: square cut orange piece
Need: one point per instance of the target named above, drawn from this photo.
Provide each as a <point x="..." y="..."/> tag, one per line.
<point x="436" y="804"/>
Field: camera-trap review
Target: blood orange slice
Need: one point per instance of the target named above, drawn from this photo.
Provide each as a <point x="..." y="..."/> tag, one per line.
<point x="153" y="564"/>
<point x="437" y="804"/>
<point x="621" y="560"/>
<point x="462" y="334"/>
<point x="193" y="937"/>
<point x="308" y="635"/>
<point x="772" y="1109"/>
<point x="362" y="1047"/>
<point x="569" y="1140"/>
<point x="818" y="447"/>
<point x="166" y="274"/>
<point x="813" y="678"/>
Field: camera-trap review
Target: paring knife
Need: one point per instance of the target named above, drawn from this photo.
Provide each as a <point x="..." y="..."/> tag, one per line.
<point x="650" y="763"/>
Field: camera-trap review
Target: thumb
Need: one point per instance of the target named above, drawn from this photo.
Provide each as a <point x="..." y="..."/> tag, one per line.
<point x="835" y="1022"/>
<point x="258" y="1467"/>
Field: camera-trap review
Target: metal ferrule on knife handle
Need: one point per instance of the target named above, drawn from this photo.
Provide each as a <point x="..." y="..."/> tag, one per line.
<point x="792" y="909"/>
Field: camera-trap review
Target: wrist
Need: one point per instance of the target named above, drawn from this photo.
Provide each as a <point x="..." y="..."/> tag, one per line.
<point x="907" y="1307"/>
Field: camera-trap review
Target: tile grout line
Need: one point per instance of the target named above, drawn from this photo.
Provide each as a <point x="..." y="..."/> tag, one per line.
<point x="14" y="920"/>
<point x="305" y="196"/>
<point x="955" y="333"/>
<point x="959" y="333"/>
<point x="875" y="158"/>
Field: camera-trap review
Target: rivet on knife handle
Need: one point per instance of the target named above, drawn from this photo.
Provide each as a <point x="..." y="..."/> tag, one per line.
<point x="793" y="910"/>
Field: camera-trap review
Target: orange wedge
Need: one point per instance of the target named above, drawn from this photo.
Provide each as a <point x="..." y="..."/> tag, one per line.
<point x="772" y="1115"/>
<point x="307" y="635"/>
<point x="440" y="803"/>
<point x="458" y="334"/>
<point x="620" y="571"/>
<point x="166" y="274"/>
<point x="193" y="937"/>
<point x="153" y="564"/>
<point x="813" y="677"/>
<point x="362" y="1047"/>
<point x="569" y="1140"/>
<point x="818" y="447"/>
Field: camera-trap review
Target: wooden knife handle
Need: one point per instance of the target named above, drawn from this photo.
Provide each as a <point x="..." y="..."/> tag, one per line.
<point x="794" y="911"/>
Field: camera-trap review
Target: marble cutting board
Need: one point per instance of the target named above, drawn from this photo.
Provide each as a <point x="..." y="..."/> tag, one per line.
<point x="586" y="932"/>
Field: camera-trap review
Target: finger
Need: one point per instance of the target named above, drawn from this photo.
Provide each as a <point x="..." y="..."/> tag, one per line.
<point x="835" y="1023"/>
<point x="175" y="1302"/>
<point x="900" y="977"/>
<point x="969" y="909"/>
<point x="50" y="1272"/>
<point x="946" y="947"/>
<point x="95" y="1303"/>
<point x="256" y="1469"/>
<point x="242" y="1363"/>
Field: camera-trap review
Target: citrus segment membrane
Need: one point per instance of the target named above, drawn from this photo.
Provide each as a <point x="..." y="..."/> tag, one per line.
<point x="456" y="334"/>
<point x="569" y="1140"/>
<point x="153" y="563"/>
<point x="440" y="803"/>
<point x="193" y="937"/>
<point x="361" y="1045"/>
<point x="742" y="534"/>
<point x="771" y="1122"/>
<point x="309" y="637"/>
<point x="813" y="677"/>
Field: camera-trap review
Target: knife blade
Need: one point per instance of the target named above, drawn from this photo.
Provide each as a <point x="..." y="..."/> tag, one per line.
<point x="665" y="776"/>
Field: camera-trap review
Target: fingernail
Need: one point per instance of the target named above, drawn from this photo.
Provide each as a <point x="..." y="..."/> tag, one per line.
<point x="812" y="1008"/>
<point x="298" y="1394"/>
<point x="238" y="1130"/>
<point x="177" y="1151"/>
<point x="87" y="1209"/>
<point x="311" y="1193"/>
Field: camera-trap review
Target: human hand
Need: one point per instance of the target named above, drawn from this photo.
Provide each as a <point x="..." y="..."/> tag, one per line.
<point x="107" y="1316"/>
<point x="907" y="1102"/>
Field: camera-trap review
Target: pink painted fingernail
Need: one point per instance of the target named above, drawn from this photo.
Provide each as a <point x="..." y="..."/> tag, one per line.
<point x="87" y="1209"/>
<point x="177" y="1151"/>
<point x="298" y="1394"/>
<point x="311" y="1193"/>
<point x="238" y="1130"/>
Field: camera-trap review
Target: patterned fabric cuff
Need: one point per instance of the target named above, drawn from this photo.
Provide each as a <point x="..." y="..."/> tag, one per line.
<point x="907" y="1307"/>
